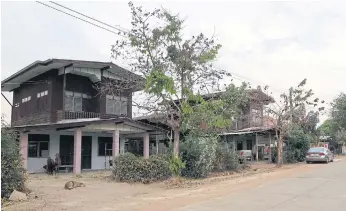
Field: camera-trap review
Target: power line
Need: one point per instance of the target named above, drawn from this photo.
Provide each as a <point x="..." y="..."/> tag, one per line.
<point x="122" y="30"/>
<point x="81" y="19"/>
<point x="6" y="99"/>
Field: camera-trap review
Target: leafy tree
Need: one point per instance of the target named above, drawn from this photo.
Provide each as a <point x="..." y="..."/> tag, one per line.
<point x="327" y="128"/>
<point x="175" y="66"/>
<point x="338" y="111"/>
<point x="214" y="112"/>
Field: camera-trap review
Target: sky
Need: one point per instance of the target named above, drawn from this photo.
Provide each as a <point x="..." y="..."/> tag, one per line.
<point x="266" y="43"/>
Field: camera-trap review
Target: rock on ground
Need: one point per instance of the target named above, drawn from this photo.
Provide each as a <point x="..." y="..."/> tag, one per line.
<point x="18" y="196"/>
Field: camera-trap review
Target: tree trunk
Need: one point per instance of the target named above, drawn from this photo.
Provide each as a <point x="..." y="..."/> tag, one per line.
<point x="280" y="151"/>
<point x="176" y="142"/>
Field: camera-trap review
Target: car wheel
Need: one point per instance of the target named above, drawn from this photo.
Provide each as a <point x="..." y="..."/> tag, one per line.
<point x="327" y="160"/>
<point x="308" y="162"/>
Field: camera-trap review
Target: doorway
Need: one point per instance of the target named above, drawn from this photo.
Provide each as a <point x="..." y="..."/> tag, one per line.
<point x="67" y="150"/>
<point x="86" y="152"/>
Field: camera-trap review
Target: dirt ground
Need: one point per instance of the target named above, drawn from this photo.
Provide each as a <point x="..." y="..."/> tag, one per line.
<point x="101" y="193"/>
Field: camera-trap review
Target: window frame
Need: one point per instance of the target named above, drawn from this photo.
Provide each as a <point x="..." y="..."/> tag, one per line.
<point x="42" y="94"/>
<point x="45" y="139"/>
<point x="103" y="140"/>
<point x="76" y="95"/>
<point x="117" y="105"/>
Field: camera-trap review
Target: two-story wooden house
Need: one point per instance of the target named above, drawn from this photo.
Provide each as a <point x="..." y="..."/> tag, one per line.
<point x="57" y="109"/>
<point x="250" y="129"/>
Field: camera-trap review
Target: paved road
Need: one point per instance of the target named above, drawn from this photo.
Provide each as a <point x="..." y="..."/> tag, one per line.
<point x="322" y="188"/>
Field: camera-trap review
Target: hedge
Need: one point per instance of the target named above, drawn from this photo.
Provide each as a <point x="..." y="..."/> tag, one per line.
<point x="130" y="168"/>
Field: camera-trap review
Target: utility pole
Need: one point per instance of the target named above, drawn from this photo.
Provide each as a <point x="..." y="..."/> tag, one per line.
<point x="291" y="104"/>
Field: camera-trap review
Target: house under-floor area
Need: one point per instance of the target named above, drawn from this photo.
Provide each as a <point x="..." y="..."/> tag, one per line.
<point x="257" y="139"/>
<point x="87" y="144"/>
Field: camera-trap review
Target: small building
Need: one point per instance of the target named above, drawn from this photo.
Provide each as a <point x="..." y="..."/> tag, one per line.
<point x="57" y="109"/>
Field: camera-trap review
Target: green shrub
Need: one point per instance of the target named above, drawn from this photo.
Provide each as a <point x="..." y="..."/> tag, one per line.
<point x="130" y="168"/>
<point x="298" y="144"/>
<point x="198" y="153"/>
<point x="12" y="172"/>
<point x="176" y="165"/>
<point x="226" y="159"/>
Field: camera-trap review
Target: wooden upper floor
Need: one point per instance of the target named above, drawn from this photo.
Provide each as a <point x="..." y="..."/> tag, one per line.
<point x="252" y="114"/>
<point x="56" y="90"/>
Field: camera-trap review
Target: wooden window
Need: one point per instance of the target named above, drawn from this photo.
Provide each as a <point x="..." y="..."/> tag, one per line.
<point x="42" y="94"/>
<point x="249" y="144"/>
<point x="38" y="146"/>
<point x="42" y="100"/>
<point x="116" y="105"/>
<point x="105" y="146"/>
<point x="74" y="101"/>
<point x="26" y="99"/>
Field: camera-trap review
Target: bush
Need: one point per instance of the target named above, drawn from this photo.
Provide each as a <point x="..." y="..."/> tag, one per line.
<point x="198" y="153"/>
<point x="130" y="168"/>
<point x="225" y="159"/>
<point x="12" y="171"/>
<point x="176" y="165"/>
<point x="297" y="145"/>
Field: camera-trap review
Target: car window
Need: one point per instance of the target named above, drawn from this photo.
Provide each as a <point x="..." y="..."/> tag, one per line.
<point x="316" y="150"/>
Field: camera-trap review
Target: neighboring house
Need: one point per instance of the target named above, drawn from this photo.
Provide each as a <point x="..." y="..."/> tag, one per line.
<point x="57" y="109"/>
<point x="251" y="129"/>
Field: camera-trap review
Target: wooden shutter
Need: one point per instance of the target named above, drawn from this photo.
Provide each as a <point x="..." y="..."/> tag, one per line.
<point x="78" y="104"/>
<point x="117" y="107"/>
<point x="124" y="107"/>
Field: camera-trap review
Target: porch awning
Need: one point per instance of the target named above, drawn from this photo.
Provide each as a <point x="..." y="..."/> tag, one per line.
<point x="250" y="130"/>
<point x="95" y="124"/>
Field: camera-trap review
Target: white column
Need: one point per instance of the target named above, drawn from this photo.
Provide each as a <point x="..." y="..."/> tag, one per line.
<point x="23" y="144"/>
<point x="146" y="145"/>
<point x="270" y="148"/>
<point x="115" y="143"/>
<point x="122" y="145"/>
<point x="157" y="145"/>
<point x="256" y="147"/>
<point x="77" y="151"/>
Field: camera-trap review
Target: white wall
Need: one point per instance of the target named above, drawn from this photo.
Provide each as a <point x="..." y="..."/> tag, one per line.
<point x="35" y="165"/>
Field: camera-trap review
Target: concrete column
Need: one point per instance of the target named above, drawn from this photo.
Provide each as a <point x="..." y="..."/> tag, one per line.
<point x="256" y="147"/>
<point x="23" y="145"/>
<point x="77" y="151"/>
<point x="115" y="143"/>
<point x="157" y="145"/>
<point x="122" y="146"/>
<point x="270" y="148"/>
<point x="146" y="145"/>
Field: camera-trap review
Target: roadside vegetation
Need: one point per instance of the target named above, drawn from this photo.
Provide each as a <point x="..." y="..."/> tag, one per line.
<point x="12" y="172"/>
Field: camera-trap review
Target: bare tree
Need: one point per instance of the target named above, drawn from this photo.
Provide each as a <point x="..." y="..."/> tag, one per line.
<point x="291" y="111"/>
<point x="175" y="68"/>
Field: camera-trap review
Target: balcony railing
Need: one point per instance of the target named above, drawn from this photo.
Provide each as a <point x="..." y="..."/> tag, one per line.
<point x="63" y="115"/>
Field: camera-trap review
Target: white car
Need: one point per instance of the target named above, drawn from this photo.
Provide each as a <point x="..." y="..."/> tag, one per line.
<point x="319" y="154"/>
